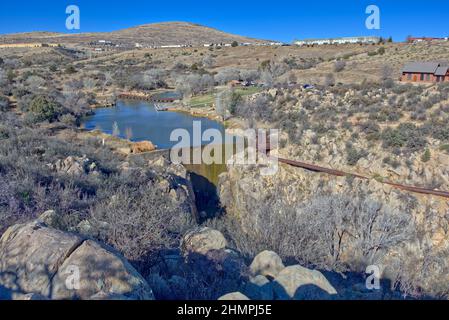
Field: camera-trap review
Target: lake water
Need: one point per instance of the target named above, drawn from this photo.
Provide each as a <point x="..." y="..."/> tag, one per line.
<point x="145" y="123"/>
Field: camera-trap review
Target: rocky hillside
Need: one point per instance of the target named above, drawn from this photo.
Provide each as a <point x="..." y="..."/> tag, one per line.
<point x="157" y="34"/>
<point x="39" y="262"/>
<point x="339" y="223"/>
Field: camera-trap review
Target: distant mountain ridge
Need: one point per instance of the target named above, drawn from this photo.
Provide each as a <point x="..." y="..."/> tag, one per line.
<point x="155" y="34"/>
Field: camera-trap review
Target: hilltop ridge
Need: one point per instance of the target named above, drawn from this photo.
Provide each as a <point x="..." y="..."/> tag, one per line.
<point x="153" y="34"/>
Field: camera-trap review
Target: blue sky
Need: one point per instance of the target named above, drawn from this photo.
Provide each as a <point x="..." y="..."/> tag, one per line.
<point x="277" y="20"/>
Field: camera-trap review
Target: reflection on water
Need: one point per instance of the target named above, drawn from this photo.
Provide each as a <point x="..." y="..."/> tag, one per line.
<point x="212" y="171"/>
<point x="145" y="123"/>
<point x="138" y="120"/>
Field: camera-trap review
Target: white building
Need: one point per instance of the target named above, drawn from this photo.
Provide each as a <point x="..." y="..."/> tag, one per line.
<point x="343" y="40"/>
<point x="174" y="46"/>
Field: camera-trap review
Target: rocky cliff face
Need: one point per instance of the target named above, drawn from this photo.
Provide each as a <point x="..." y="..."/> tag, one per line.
<point x="40" y="263"/>
<point x="249" y="197"/>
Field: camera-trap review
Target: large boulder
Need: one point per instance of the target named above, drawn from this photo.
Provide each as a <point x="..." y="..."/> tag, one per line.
<point x="51" y="219"/>
<point x="74" y="166"/>
<point x="202" y="240"/>
<point x="267" y="263"/>
<point x="100" y="270"/>
<point x="30" y="256"/>
<point x="259" y="288"/>
<point x="234" y="296"/>
<point x="28" y="296"/>
<point x="299" y="283"/>
<point x="57" y="265"/>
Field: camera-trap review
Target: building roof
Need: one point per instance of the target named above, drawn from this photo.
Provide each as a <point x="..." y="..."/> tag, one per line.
<point x="343" y="38"/>
<point x="421" y="67"/>
<point x="442" y="71"/>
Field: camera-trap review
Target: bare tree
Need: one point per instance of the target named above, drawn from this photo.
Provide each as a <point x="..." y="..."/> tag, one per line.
<point x="73" y="97"/>
<point x="330" y="232"/>
<point x="226" y="75"/>
<point x="249" y="75"/>
<point x="277" y="69"/>
<point x="207" y="82"/>
<point x="152" y="79"/>
<point x="222" y="103"/>
<point x="108" y="76"/>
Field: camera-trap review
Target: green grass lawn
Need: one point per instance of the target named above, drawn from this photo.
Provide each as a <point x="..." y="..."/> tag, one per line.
<point x="208" y="99"/>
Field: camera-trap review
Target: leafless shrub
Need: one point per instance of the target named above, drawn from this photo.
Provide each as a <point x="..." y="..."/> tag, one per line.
<point x="249" y="75"/>
<point x="329" y="80"/>
<point x="226" y="75"/>
<point x="194" y="83"/>
<point x="386" y="72"/>
<point x="331" y="232"/>
<point x="259" y="108"/>
<point x="208" y="61"/>
<point x="139" y="221"/>
<point x="339" y="65"/>
<point x="4" y="103"/>
<point x="422" y="272"/>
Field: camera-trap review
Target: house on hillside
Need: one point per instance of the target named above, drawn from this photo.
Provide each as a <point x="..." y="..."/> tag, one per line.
<point x="425" y="39"/>
<point x="425" y="72"/>
<point x="344" y="40"/>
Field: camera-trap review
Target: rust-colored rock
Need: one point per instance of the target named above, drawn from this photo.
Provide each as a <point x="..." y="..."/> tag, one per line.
<point x="142" y="146"/>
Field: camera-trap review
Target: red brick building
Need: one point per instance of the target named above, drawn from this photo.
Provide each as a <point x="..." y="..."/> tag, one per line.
<point x="425" y="72"/>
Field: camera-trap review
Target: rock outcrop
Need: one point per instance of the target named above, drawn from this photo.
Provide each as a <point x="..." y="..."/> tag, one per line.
<point x="75" y="166"/>
<point x="244" y="191"/>
<point x="37" y="261"/>
<point x="233" y="296"/>
<point x="267" y="263"/>
<point x="142" y="146"/>
<point x="40" y="263"/>
<point x="202" y="240"/>
<point x="265" y="279"/>
<point x="299" y="283"/>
